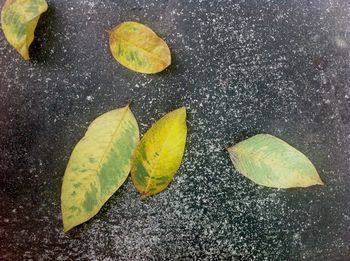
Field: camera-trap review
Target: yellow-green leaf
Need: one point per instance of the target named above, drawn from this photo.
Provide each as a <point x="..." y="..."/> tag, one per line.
<point x="271" y="162"/>
<point x="159" y="154"/>
<point x="98" y="166"/>
<point x="138" y="48"/>
<point x="18" y="20"/>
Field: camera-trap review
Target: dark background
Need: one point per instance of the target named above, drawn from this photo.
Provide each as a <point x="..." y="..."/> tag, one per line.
<point x="241" y="68"/>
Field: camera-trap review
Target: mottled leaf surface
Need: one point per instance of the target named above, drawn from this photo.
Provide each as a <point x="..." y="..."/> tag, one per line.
<point x="138" y="48"/>
<point x="271" y="162"/>
<point x="19" y="19"/>
<point x="159" y="153"/>
<point x="98" y="166"/>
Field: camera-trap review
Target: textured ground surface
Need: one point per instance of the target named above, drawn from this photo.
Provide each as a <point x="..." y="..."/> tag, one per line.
<point x="241" y="68"/>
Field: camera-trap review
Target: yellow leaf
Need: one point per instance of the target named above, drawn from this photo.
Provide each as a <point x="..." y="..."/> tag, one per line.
<point x="98" y="166"/>
<point x="271" y="162"/>
<point x="159" y="153"/>
<point x="138" y="48"/>
<point x="19" y="19"/>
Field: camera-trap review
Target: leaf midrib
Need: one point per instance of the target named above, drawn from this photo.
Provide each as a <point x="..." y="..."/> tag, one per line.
<point x="99" y="165"/>
<point x="155" y="162"/>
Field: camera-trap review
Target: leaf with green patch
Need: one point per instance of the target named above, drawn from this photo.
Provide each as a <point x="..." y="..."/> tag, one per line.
<point x="159" y="153"/>
<point x="98" y="166"/>
<point x="271" y="162"/>
<point x="138" y="48"/>
<point x="19" y="19"/>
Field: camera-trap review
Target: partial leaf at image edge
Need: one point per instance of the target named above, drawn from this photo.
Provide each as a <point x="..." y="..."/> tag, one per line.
<point x="19" y="19"/>
<point x="271" y="162"/>
<point x="98" y="166"/>
<point x="138" y="48"/>
<point x="159" y="154"/>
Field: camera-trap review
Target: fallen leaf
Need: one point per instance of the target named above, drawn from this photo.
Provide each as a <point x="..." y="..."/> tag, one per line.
<point x="19" y="19"/>
<point x="98" y="166"/>
<point x="138" y="48"/>
<point x="271" y="162"/>
<point x="159" y="154"/>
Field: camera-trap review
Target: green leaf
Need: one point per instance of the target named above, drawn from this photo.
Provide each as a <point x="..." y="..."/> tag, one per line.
<point x="19" y="19"/>
<point x="98" y="166"/>
<point x="138" y="48"/>
<point x="271" y="162"/>
<point x="159" y="154"/>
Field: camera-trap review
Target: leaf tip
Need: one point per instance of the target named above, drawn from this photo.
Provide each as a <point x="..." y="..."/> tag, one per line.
<point x="24" y="52"/>
<point x="320" y="182"/>
<point x="232" y="153"/>
<point x="66" y="227"/>
<point x="182" y="110"/>
<point x="26" y="58"/>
